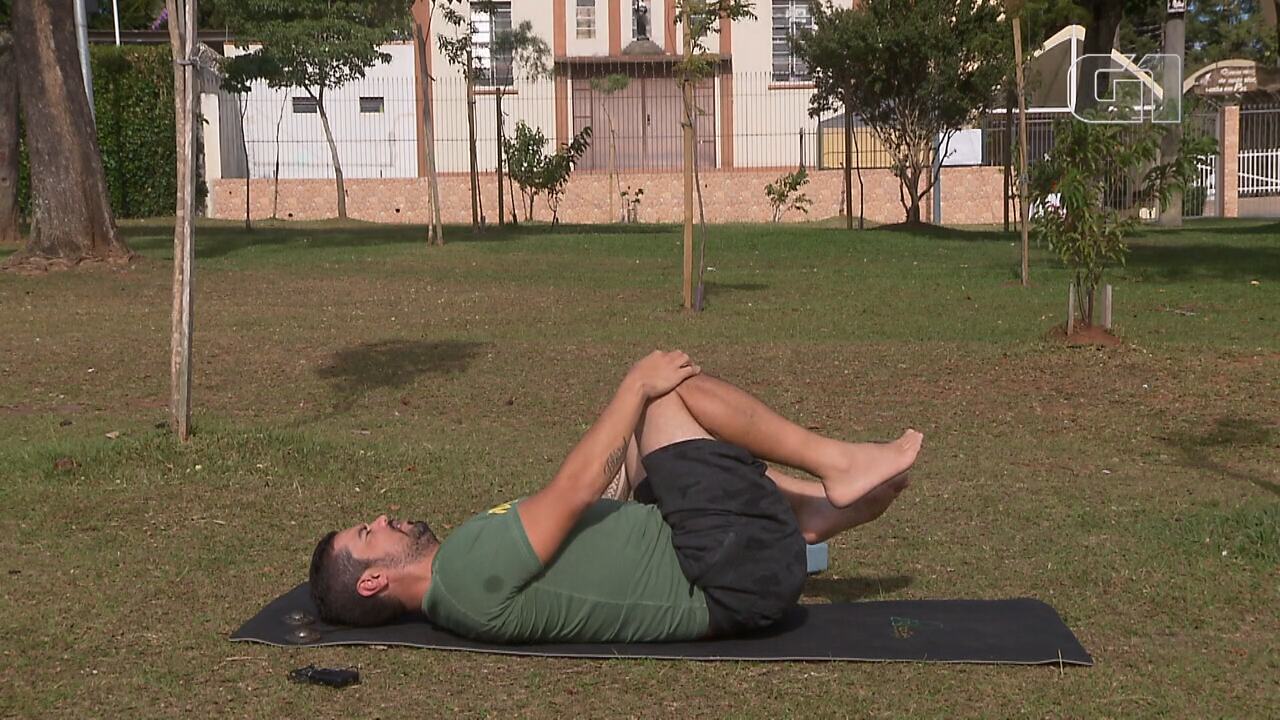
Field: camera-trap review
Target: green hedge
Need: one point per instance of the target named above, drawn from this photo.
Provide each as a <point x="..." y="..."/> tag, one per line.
<point x="133" y="102"/>
<point x="133" y="108"/>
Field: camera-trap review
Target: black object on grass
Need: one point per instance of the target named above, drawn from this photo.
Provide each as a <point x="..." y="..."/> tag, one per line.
<point x="329" y="677"/>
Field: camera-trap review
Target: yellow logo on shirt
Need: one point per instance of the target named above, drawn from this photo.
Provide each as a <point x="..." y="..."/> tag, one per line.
<point x="501" y="509"/>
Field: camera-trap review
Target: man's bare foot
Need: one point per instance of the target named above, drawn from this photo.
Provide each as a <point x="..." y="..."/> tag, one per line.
<point x="820" y="520"/>
<point x="873" y="504"/>
<point x="864" y="466"/>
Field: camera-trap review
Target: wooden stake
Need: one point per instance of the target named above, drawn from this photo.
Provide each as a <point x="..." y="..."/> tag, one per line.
<point x="687" y="287"/>
<point x="183" y="34"/>
<point x="1024" y="212"/>
<point x="1071" y="309"/>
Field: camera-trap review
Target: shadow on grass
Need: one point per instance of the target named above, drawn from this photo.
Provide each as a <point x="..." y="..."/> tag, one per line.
<point x="716" y="287"/>
<point x="222" y="239"/>
<point x="357" y="371"/>
<point x="1227" y="432"/>
<point x="942" y="232"/>
<point x="1225" y="262"/>
<point x="853" y="589"/>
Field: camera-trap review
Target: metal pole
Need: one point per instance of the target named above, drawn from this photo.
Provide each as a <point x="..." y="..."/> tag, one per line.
<point x="115" y="17"/>
<point x="82" y="39"/>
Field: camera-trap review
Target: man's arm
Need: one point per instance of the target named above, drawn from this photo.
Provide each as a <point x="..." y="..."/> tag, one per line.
<point x="550" y="514"/>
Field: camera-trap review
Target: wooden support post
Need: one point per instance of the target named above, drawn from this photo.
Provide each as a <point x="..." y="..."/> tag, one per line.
<point x="687" y="88"/>
<point x="1106" y="307"/>
<point x="1071" y="309"/>
<point x="1024" y="211"/>
<point x="497" y="121"/>
<point x="182" y="34"/>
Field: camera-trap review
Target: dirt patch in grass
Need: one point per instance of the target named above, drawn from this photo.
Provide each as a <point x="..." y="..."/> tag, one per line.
<point x="1089" y="335"/>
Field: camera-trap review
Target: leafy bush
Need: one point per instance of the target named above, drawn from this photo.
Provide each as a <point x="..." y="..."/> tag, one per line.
<point x="133" y="111"/>
<point x="784" y="193"/>
<point x="1091" y="186"/>
<point x="538" y="173"/>
<point x="133" y="105"/>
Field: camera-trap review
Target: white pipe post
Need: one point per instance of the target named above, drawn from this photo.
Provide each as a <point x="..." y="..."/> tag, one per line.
<point x="82" y="38"/>
<point x="115" y="17"/>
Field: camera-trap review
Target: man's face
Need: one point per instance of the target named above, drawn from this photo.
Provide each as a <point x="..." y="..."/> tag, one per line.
<point x="387" y="542"/>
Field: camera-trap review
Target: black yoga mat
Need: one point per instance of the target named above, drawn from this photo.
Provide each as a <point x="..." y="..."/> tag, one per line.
<point x="1021" y="631"/>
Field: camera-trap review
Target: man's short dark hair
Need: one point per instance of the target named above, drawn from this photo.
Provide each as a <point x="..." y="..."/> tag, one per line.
<point x="333" y="577"/>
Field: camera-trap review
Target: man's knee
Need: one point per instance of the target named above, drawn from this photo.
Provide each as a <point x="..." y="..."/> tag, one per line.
<point x="667" y="421"/>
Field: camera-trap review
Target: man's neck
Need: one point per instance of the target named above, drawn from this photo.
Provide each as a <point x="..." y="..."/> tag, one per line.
<point x="416" y="581"/>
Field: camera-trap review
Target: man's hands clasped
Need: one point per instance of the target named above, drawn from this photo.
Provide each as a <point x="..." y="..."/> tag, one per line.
<point x="659" y="372"/>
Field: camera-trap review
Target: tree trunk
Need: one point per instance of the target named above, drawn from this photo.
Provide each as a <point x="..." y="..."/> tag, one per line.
<point x="9" y="233"/>
<point x="497" y="123"/>
<point x="862" y="189"/>
<point x="848" y="169"/>
<point x="1175" y="43"/>
<point x="1099" y="39"/>
<point x="71" y="215"/>
<point x="275" y="172"/>
<point x="421" y="39"/>
<point x="333" y="151"/>
<point x="615" y="187"/>
<point x="242" y="104"/>
<point x="471" y="153"/>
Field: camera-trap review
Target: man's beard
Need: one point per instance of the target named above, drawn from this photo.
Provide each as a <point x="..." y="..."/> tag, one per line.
<point x="422" y="541"/>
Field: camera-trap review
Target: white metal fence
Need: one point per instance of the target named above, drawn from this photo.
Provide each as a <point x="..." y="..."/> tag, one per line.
<point x="1259" y="172"/>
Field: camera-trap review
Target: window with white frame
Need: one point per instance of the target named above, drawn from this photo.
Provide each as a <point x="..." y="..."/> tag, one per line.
<point x="789" y="17"/>
<point x="585" y="19"/>
<point x="493" y="67"/>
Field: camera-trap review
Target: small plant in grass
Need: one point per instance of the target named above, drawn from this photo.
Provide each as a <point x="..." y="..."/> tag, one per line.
<point x="631" y="204"/>
<point x="1090" y="185"/>
<point x="785" y="193"/>
<point x="538" y="173"/>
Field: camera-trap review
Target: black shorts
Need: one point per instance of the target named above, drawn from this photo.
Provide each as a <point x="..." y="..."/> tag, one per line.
<point x="734" y="533"/>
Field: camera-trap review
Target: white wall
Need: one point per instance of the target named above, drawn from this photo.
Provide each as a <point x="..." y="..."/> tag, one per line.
<point x="369" y="144"/>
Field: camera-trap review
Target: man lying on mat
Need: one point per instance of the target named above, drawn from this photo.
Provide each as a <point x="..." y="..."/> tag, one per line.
<point x="714" y="546"/>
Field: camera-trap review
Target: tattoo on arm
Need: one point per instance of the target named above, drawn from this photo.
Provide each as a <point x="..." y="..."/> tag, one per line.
<point x="614" y="462"/>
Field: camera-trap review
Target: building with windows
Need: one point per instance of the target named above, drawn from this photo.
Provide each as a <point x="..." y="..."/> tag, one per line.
<point x="612" y="66"/>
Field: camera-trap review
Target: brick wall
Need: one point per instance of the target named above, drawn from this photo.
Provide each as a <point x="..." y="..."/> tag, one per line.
<point x="969" y="195"/>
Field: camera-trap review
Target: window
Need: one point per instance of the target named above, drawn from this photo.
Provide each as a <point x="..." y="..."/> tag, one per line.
<point x="493" y="67"/>
<point x="305" y="106"/>
<point x="789" y="16"/>
<point x="371" y="104"/>
<point x="585" y="19"/>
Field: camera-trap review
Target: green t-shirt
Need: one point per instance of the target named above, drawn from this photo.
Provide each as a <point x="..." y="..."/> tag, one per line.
<point x="615" y="579"/>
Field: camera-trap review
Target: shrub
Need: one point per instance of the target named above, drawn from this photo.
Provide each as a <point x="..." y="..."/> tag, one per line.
<point x="784" y="193"/>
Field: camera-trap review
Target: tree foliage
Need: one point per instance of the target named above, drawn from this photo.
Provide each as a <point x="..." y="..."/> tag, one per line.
<point x="540" y="173"/>
<point x="1091" y="183"/>
<point x="915" y="71"/>
<point x="314" y="45"/>
<point x="1224" y="29"/>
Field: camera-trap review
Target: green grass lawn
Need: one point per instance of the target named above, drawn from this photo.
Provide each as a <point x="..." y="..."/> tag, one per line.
<point x="346" y="370"/>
